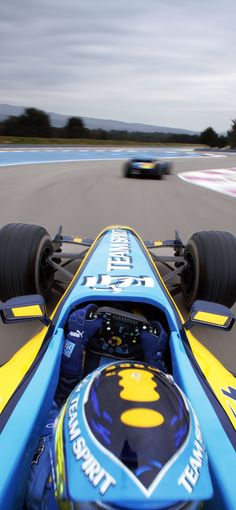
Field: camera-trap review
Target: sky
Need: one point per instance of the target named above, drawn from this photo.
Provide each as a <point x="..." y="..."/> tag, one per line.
<point x="161" y="62"/>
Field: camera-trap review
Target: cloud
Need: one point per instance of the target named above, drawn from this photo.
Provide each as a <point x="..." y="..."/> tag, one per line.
<point x="150" y="61"/>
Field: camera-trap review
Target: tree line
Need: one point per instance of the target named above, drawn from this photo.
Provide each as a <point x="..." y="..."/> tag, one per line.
<point x="36" y="123"/>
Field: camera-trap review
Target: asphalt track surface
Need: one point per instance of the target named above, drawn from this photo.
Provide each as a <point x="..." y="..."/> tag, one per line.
<point x="88" y="195"/>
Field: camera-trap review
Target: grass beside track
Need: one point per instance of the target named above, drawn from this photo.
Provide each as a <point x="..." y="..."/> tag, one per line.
<point x="84" y="141"/>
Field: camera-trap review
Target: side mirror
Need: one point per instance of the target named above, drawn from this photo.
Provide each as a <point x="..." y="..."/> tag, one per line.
<point x="24" y="308"/>
<point x="210" y="314"/>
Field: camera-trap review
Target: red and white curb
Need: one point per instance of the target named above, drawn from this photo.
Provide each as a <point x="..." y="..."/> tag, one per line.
<point x="222" y="180"/>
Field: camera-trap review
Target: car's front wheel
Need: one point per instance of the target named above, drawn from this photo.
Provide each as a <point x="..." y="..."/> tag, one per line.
<point x="24" y="250"/>
<point x="211" y="268"/>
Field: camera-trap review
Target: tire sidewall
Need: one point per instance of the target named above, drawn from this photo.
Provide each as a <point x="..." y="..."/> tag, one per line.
<point x="44" y="248"/>
<point x="191" y="252"/>
<point x="211" y="271"/>
<point x="23" y="266"/>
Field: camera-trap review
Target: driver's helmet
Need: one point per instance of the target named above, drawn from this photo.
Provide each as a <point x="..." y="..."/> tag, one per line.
<point x="128" y="438"/>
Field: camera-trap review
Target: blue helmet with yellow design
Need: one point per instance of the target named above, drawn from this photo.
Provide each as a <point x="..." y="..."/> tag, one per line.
<point x="128" y="438"/>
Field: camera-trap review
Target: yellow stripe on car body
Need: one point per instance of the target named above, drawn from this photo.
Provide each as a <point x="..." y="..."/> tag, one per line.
<point x="12" y="373"/>
<point x="218" y="377"/>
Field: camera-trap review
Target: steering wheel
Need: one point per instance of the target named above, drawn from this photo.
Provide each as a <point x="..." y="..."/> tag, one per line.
<point x="119" y="334"/>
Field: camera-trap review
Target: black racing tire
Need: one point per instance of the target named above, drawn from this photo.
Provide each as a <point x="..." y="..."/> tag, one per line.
<point x="159" y="171"/>
<point x="211" y="272"/>
<point x="23" y="268"/>
<point x="168" y="168"/>
<point x="127" y="169"/>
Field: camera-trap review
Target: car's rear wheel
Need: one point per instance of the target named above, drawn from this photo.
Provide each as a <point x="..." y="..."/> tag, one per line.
<point x="158" y="171"/>
<point x="24" y="250"/>
<point x="211" y="271"/>
<point x="168" y="168"/>
<point x="127" y="169"/>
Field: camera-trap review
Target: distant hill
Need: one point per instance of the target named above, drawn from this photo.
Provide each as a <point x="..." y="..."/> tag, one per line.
<point x="58" y="120"/>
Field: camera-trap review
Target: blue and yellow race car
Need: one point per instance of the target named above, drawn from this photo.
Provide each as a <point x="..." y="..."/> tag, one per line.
<point x="131" y="435"/>
<point x="147" y="167"/>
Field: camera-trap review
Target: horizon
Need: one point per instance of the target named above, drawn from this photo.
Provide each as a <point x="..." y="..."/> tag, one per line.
<point x="155" y="62"/>
<point x="108" y="119"/>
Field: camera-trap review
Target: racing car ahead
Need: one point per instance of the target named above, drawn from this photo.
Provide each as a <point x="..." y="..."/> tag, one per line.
<point x="118" y="274"/>
<point x="147" y="167"/>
